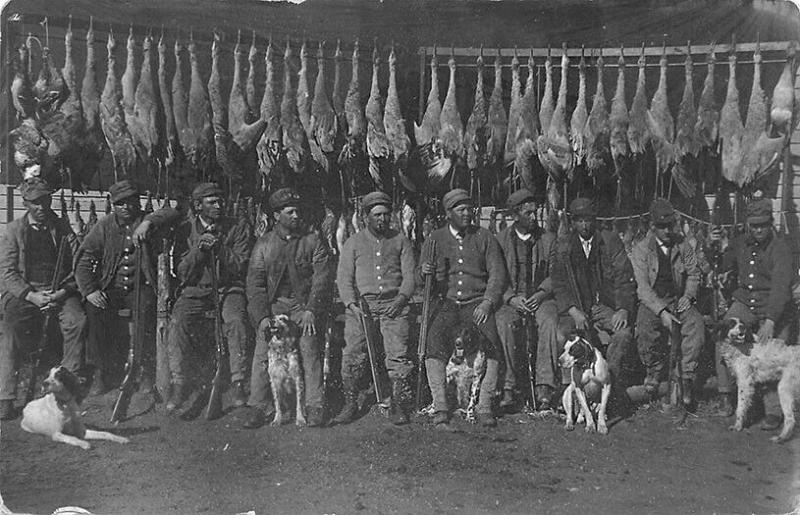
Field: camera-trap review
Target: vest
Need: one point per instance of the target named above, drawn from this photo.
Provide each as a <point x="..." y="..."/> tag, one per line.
<point x="524" y="251"/>
<point x="41" y="258"/>
<point x="664" y="284"/>
<point x="586" y="276"/>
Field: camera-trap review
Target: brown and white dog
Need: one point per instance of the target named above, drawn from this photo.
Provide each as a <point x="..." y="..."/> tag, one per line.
<point x="589" y="380"/>
<point x="466" y="369"/>
<point x="56" y="414"/>
<point x="755" y="362"/>
<point x="285" y="370"/>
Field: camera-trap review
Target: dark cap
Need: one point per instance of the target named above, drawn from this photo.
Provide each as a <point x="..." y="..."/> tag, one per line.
<point x="759" y="211"/>
<point x="122" y="189"/>
<point x="375" y="198"/>
<point x="519" y="197"/>
<point x="455" y="197"/>
<point x="206" y="189"/>
<point x="34" y="188"/>
<point x="582" y="206"/>
<point x="282" y="198"/>
<point x="661" y="211"/>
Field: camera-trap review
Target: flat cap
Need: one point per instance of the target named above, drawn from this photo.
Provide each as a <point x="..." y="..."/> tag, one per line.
<point x="375" y="198"/>
<point x="34" y="188"/>
<point x="455" y="197"/>
<point x="519" y="197"/>
<point x="122" y="189"/>
<point x="582" y="206"/>
<point x="661" y="211"/>
<point x="206" y="189"/>
<point x="759" y="211"/>
<point x="282" y="198"/>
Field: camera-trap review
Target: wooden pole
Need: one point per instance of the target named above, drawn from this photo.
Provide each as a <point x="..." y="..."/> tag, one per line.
<point x="421" y="111"/>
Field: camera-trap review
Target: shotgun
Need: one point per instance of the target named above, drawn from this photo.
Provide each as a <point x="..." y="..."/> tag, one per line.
<point x="214" y="407"/>
<point x="133" y="366"/>
<point x="326" y="359"/>
<point x="422" y="345"/>
<point x="675" y="362"/>
<point x="368" y="325"/>
<point x="530" y="334"/>
<point x="36" y="359"/>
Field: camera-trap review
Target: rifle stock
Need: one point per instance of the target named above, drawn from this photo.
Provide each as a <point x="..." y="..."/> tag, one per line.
<point x="133" y="366"/>
<point x="213" y="409"/>
<point x="422" y="345"/>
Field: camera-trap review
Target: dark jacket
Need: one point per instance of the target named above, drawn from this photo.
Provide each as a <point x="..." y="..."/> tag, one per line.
<point x="616" y="285"/>
<point x="685" y="271"/>
<point x="100" y="253"/>
<point x="192" y="264"/>
<point x="314" y="273"/>
<point x="13" y="244"/>
<point x="540" y="259"/>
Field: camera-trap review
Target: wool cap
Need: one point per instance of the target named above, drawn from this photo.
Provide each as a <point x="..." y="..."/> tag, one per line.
<point x="34" y="188"/>
<point x="519" y="197"/>
<point x="376" y="198"/>
<point x="582" y="206"/>
<point x="206" y="189"/>
<point x="123" y="189"/>
<point x="282" y="198"/>
<point x="661" y="211"/>
<point x="759" y="211"/>
<point x="455" y="197"/>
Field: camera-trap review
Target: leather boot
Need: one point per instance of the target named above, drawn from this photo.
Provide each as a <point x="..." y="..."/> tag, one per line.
<point x="544" y="397"/>
<point x="180" y="392"/>
<point x="350" y="408"/>
<point x="7" y="410"/>
<point x="98" y="385"/>
<point x="436" y="381"/>
<point x="237" y="392"/>
<point x="688" y="392"/>
<point x="726" y="408"/>
<point x="400" y="397"/>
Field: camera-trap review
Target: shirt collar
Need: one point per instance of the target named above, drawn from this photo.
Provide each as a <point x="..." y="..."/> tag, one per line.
<point x="36" y="225"/>
<point x="523" y="236"/>
<point x="586" y="242"/>
<point x="455" y="233"/>
<point x="284" y="234"/>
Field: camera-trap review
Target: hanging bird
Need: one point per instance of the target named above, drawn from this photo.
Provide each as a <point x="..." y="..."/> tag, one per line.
<point x="661" y="124"/>
<point x="596" y="134"/>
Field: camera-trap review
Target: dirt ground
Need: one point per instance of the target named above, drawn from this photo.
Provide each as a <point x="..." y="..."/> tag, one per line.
<point x="525" y="465"/>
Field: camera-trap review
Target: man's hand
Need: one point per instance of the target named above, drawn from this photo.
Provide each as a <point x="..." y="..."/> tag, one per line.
<point x="396" y="307"/>
<point x="55" y="299"/>
<point x="207" y="241"/>
<point x="98" y="299"/>
<point x="307" y="323"/>
<point x="684" y="303"/>
<point x="428" y="268"/>
<point x="519" y="303"/>
<point x="534" y="301"/>
<point x="355" y="309"/>
<point x="619" y="320"/>
<point x="39" y="299"/>
<point x="482" y="312"/>
<point x="140" y="233"/>
<point x="767" y="330"/>
<point x="580" y="318"/>
<point x="667" y="319"/>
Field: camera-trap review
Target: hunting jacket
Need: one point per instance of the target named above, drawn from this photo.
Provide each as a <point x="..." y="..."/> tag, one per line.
<point x="13" y="243"/>
<point x="613" y="271"/>
<point x="685" y="271"/>
<point x="540" y="259"/>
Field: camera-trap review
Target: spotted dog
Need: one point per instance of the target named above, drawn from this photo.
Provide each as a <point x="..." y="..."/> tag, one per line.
<point x="466" y="369"/>
<point x="56" y="414"/>
<point x="589" y="379"/>
<point x="284" y="368"/>
<point x="756" y="362"/>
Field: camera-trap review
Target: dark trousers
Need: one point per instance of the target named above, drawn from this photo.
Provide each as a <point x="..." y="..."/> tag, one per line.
<point x="21" y="331"/>
<point x="653" y="342"/>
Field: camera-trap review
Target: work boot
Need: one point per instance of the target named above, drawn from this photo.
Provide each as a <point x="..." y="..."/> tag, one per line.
<point x="688" y="392"/>
<point x="726" y="408"/>
<point x="315" y="416"/>
<point x="256" y="418"/>
<point x="507" y="402"/>
<point x="400" y="396"/>
<point x="237" y="392"/>
<point x="98" y="385"/>
<point x="544" y="397"/>
<point x="435" y="369"/>
<point x="350" y="408"/>
<point x="441" y="421"/>
<point x="7" y="410"/>
<point x="180" y="393"/>
<point x="147" y="385"/>
<point x="486" y="419"/>
<point x="771" y="422"/>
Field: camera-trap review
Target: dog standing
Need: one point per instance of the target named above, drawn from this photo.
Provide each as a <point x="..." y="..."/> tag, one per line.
<point x="589" y="375"/>
<point x="285" y="370"/>
<point x="753" y="362"/>
<point x="466" y="369"/>
<point x="56" y="414"/>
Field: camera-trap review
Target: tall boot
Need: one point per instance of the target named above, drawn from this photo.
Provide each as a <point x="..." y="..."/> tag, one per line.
<point x="401" y="393"/>
<point x="350" y="408"/>
<point x="726" y="407"/>
<point x="436" y="381"/>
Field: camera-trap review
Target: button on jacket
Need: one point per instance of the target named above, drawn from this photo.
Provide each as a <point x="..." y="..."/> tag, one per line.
<point x="541" y="251"/>
<point x="375" y="267"/>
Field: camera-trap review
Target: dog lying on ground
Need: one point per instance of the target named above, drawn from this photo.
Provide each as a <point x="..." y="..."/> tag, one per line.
<point x="285" y="371"/>
<point x="56" y="414"/>
<point x="753" y="362"/>
<point x="466" y="369"/>
<point x="589" y="379"/>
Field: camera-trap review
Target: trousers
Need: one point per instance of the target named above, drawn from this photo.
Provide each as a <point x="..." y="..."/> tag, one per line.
<point x="653" y="341"/>
<point x="21" y="330"/>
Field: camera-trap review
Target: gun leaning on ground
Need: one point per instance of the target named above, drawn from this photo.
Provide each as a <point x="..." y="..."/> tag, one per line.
<point x="530" y="335"/>
<point x="36" y="359"/>
<point x="368" y="324"/>
<point x="675" y="362"/>
<point x="214" y="407"/>
<point x="133" y="367"/>
<point x="422" y="345"/>
<point x="326" y="359"/>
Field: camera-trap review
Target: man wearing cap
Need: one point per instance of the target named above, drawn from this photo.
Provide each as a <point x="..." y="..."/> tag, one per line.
<point x="377" y="265"/>
<point x="289" y="273"/>
<point x="205" y="233"/>
<point x="29" y="250"/>
<point x="470" y="277"/>
<point x="105" y="271"/>
<point x="763" y="266"/>
<point x="667" y="280"/>
<point x="594" y="285"/>
<point x="528" y="298"/>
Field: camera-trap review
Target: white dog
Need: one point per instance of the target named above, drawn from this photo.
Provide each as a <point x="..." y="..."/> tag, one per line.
<point x="285" y="371"/>
<point x="754" y="362"/>
<point x="589" y="375"/>
<point x="466" y="370"/>
<point x="56" y="414"/>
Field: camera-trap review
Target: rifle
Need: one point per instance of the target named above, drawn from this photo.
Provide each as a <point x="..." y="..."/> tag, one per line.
<point x="133" y="366"/>
<point x="675" y="359"/>
<point x="36" y="361"/>
<point x="214" y="407"/>
<point x="367" y="323"/>
<point x="326" y="359"/>
<point x="422" y="345"/>
<point x="530" y="334"/>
